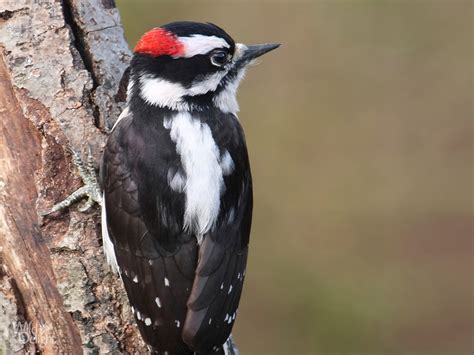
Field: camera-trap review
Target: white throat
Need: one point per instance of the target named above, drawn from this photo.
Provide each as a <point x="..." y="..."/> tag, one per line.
<point x="164" y="93"/>
<point x="226" y="100"/>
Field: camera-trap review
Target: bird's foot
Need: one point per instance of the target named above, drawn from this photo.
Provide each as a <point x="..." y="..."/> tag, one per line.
<point x="91" y="188"/>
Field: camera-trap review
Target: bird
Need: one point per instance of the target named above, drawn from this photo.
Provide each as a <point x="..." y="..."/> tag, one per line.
<point x="177" y="187"/>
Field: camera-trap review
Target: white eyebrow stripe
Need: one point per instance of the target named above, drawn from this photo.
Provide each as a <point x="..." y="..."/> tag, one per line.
<point x="201" y="44"/>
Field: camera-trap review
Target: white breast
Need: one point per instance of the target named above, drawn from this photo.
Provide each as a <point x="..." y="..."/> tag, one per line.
<point x="203" y="168"/>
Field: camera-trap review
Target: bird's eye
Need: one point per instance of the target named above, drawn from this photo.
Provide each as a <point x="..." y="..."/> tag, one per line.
<point x="219" y="58"/>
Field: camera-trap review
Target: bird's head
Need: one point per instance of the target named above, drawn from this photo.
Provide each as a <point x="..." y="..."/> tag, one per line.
<point x="190" y="66"/>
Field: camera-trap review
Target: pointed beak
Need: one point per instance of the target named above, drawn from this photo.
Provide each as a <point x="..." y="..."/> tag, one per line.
<point x="252" y="52"/>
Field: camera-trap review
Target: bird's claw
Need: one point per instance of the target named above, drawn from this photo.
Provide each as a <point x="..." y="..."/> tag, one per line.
<point x="91" y="188"/>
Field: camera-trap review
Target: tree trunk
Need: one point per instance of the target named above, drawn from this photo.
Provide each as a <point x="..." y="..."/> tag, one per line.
<point x="60" y="67"/>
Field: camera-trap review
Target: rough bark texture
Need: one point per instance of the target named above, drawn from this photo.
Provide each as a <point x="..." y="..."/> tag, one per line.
<point x="60" y="66"/>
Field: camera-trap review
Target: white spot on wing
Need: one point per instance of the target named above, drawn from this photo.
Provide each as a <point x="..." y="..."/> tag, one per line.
<point x="177" y="323"/>
<point x="147" y="321"/>
<point x="222" y="286"/>
<point x="139" y="316"/>
<point x="176" y="180"/>
<point x="230" y="290"/>
<point x="227" y="164"/>
<point x="226" y="317"/>
<point x="157" y="301"/>
<point x="167" y="283"/>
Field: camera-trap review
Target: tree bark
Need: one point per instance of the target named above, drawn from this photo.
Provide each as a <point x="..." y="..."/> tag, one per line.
<point x="60" y="67"/>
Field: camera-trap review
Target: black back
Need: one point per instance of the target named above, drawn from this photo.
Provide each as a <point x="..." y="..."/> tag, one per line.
<point x="198" y="287"/>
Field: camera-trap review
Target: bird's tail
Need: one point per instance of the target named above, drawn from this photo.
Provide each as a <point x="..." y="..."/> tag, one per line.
<point x="176" y="352"/>
<point x="228" y="348"/>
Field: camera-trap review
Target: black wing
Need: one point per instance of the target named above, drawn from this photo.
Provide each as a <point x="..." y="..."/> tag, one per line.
<point x="156" y="259"/>
<point x="179" y="290"/>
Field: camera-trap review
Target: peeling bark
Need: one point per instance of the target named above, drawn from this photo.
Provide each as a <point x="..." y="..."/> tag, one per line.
<point x="60" y="68"/>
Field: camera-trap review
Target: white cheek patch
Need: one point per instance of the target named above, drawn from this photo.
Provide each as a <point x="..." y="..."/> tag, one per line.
<point x="201" y="44"/>
<point x="206" y="84"/>
<point x="162" y="93"/>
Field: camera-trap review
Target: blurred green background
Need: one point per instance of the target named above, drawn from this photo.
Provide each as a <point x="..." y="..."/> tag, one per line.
<point x="361" y="140"/>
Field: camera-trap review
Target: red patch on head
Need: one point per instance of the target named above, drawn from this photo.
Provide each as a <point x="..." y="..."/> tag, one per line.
<point x="159" y="42"/>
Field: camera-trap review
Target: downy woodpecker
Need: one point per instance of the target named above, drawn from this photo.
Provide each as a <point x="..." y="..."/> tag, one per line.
<point x="177" y="189"/>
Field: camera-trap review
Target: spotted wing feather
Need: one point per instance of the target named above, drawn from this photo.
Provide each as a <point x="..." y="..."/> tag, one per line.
<point x="156" y="262"/>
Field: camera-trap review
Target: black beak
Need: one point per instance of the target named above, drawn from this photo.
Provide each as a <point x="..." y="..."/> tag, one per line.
<point x="255" y="51"/>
